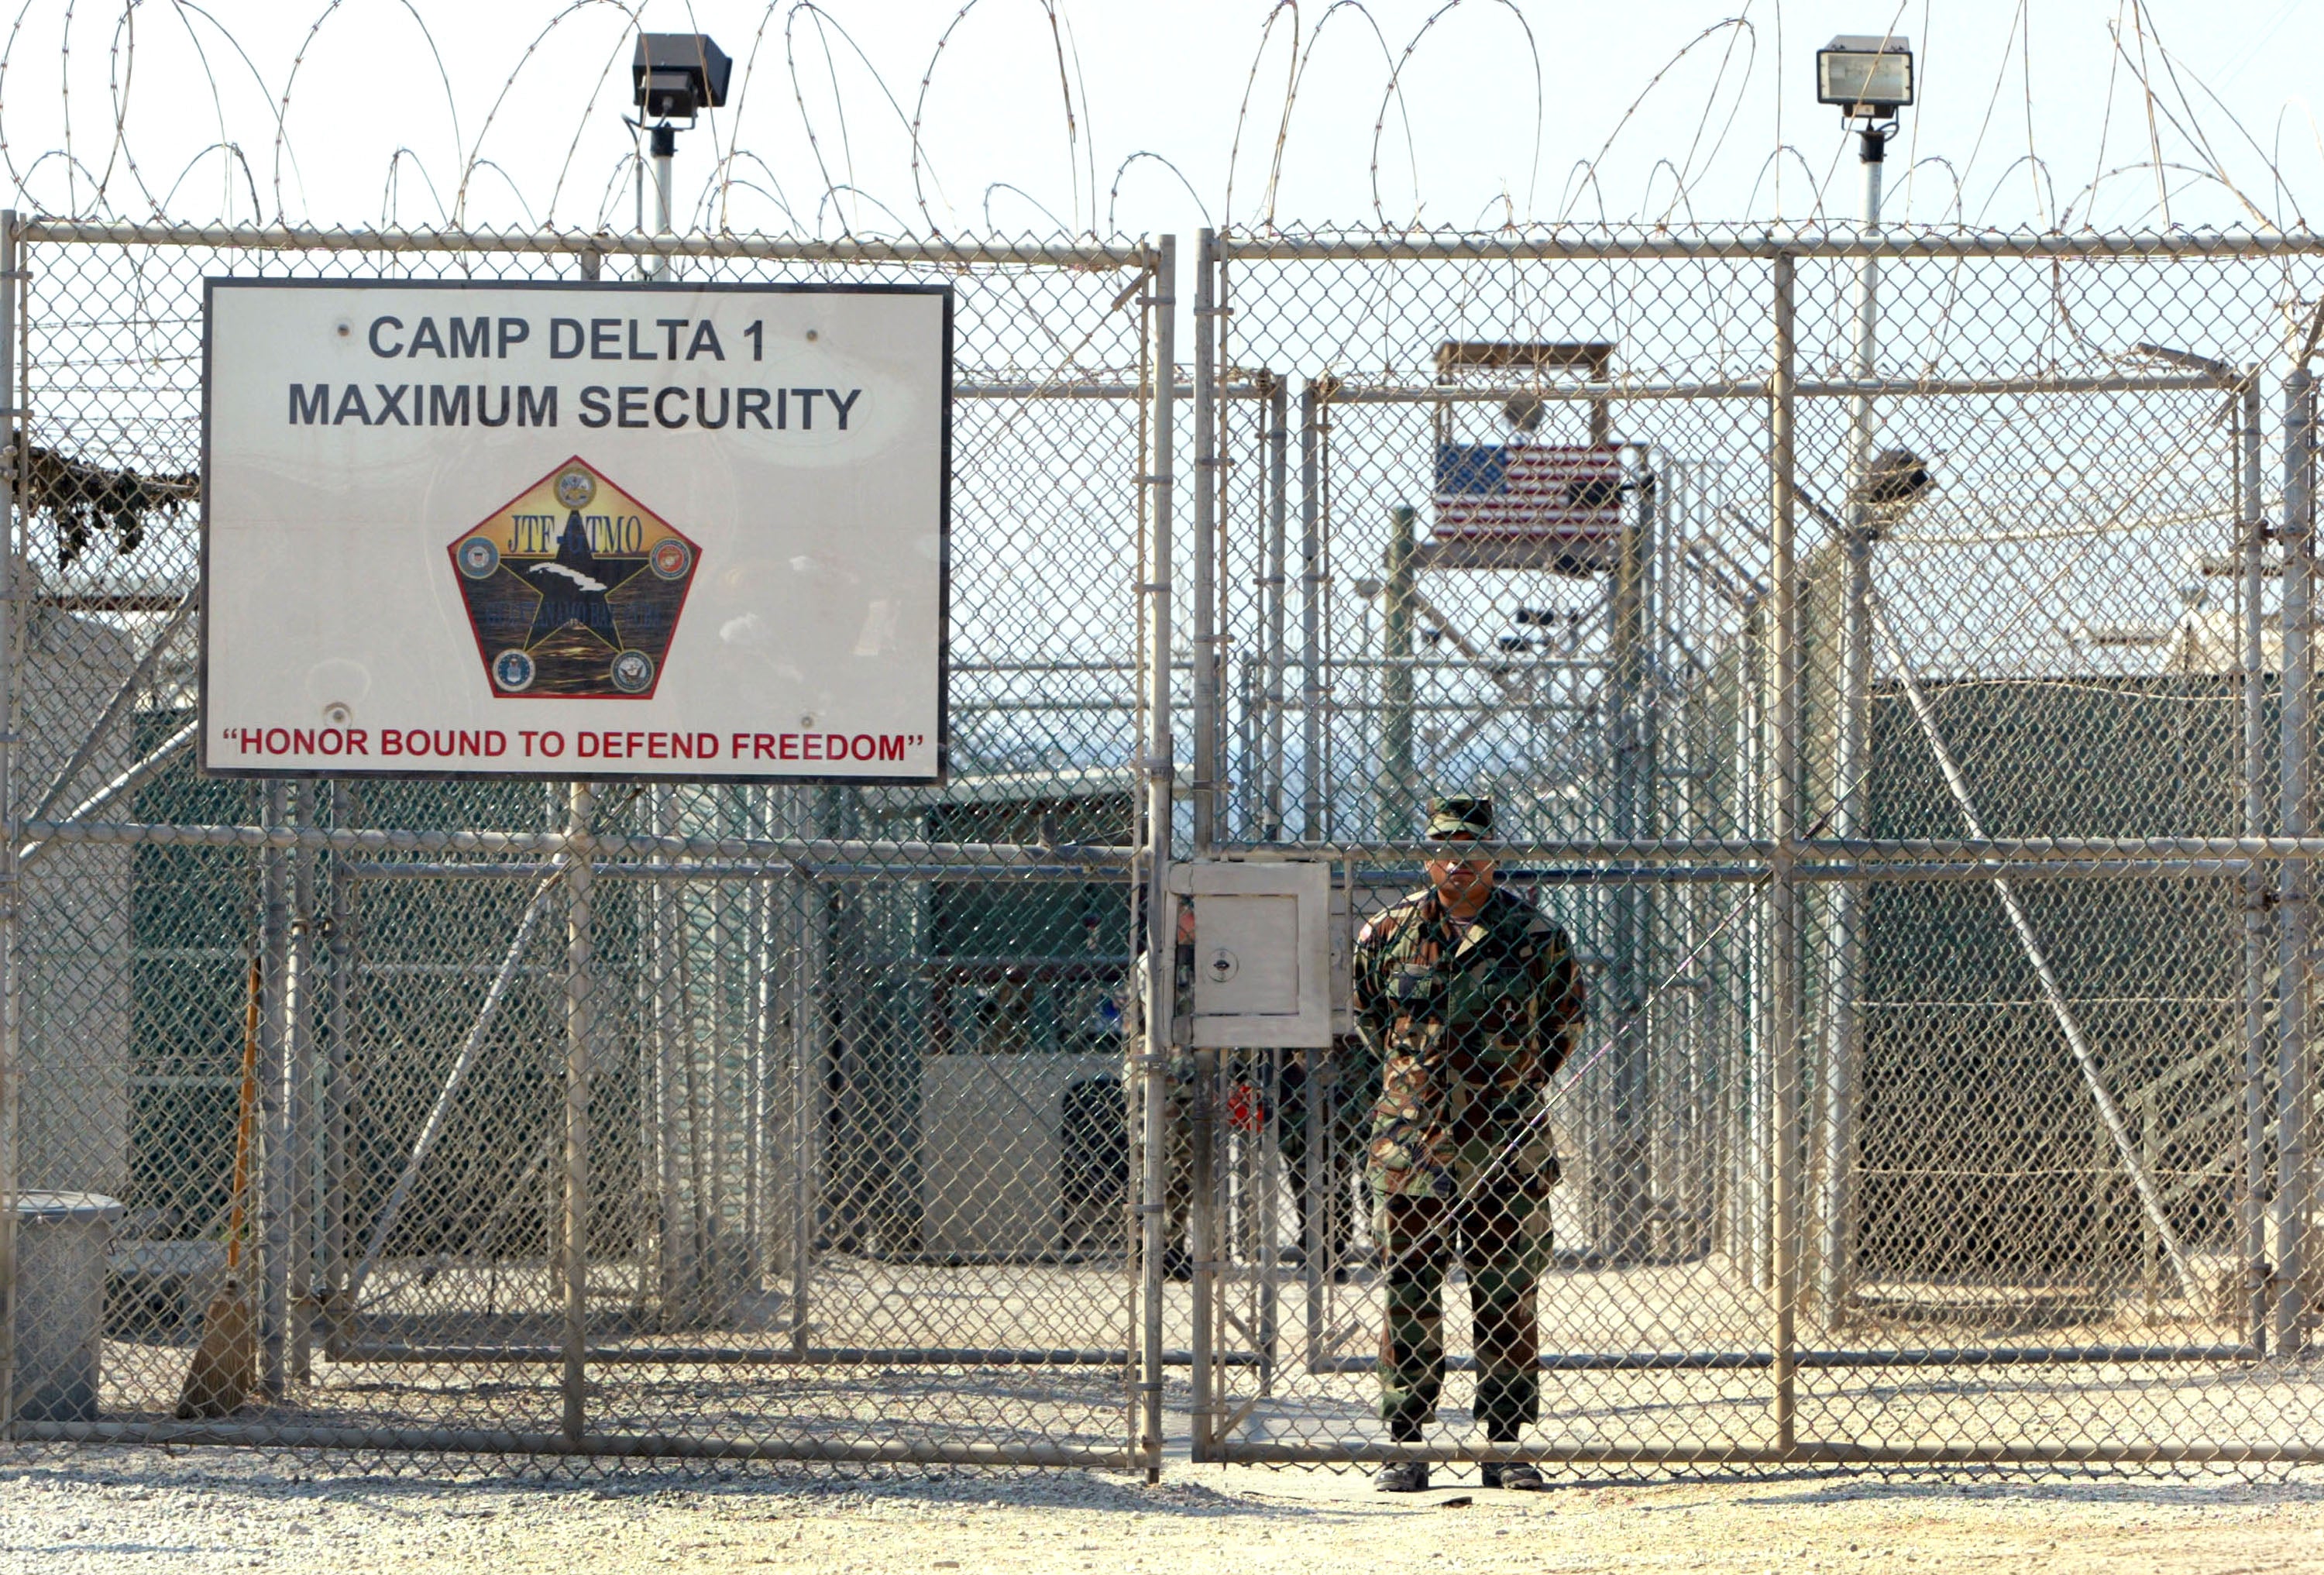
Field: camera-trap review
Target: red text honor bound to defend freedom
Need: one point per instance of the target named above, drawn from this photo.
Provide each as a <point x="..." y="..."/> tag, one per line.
<point x="556" y="743"/>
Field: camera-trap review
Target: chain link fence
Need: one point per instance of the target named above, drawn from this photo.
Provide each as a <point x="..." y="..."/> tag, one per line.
<point x="1889" y="659"/>
<point x="731" y="1121"/>
<point x="1890" y="700"/>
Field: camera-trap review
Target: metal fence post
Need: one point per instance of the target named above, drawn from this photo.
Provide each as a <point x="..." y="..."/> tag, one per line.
<point x="337" y="1212"/>
<point x="1160" y="773"/>
<point x="1204" y="1238"/>
<point x="11" y="430"/>
<point x="2294" y="783"/>
<point x="1279" y="496"/>
<point x="1843" y="1049"/>
<point x="301" y="1107"/>
<point x="275" y="1185"/>
<point x="1206" y="1245"/>
<point x="1317" y="1174"/>
<point x="674" y="1240"/>
<point x="1206" y="545"/>
<point x="1311" y="614"/>
<point x="1394" y="786"/>
<point x="808" y="951"/>
<point x="758" y="1006"/>
<point x="1625" y="1185"/>
<point x="1269" y="1178"/>
<point x="2252" y="1205"/>
<point x="1747" y="1170"/>
<point x="1784" y="962"/>
<point x="573" y="1232"/>
<point x="735" y="1261"/>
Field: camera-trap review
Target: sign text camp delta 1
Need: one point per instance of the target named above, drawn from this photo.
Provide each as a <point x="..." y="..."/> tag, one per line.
<point x="724" y="401"/>
<point x="577" y="531"/>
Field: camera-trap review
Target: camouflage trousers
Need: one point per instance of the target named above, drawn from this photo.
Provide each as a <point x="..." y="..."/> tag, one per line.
<point x="1501" y="1237"/>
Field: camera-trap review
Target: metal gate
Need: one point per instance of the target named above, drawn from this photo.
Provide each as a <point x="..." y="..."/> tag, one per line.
<point x="1890" y="656"/>
<point x="1892" y="705"/>
<point x="721" y="1121"/>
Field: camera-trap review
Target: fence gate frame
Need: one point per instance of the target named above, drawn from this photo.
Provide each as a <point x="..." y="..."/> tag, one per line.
<point x="574" y="865"/>
<point x="1795" y="853"/>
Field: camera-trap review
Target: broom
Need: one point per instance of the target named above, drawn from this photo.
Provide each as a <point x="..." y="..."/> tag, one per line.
<point x="225" y="1363"/>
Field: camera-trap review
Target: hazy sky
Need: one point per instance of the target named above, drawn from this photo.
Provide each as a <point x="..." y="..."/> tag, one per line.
<point x="1499" y="106"/>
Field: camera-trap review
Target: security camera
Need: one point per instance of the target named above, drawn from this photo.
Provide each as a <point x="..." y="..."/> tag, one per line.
<point x="1895" y="480"/>
<point x="676" y="76"/>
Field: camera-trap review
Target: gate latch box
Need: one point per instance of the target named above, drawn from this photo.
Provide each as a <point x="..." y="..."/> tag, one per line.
<point x="1262" y="953"/>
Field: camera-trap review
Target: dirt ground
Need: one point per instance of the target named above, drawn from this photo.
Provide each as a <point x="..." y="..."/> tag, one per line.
<point x="104" y="1511"/>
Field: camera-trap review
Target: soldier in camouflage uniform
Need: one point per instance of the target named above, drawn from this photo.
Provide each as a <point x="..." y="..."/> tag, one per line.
<point x="1473" y="1001"/>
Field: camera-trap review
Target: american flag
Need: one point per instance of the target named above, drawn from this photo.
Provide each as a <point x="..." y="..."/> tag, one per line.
<point x="1542" y="492"/>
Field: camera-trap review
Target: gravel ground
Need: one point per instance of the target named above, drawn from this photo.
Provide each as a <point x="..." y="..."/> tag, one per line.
<point x="101" y="1511"/>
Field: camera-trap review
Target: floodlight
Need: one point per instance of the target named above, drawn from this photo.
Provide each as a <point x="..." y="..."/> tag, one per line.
<point x="676" y="76"/>
<point x="1866" y="74"/>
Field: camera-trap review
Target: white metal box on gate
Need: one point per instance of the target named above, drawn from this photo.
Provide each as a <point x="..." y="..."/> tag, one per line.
<point x="1262" y="953"/>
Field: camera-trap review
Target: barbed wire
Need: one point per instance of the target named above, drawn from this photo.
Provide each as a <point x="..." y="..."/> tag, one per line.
<point x="882" y="174"/>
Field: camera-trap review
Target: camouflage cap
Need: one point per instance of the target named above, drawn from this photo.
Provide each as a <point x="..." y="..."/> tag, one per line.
<point x="1460" y="815"/>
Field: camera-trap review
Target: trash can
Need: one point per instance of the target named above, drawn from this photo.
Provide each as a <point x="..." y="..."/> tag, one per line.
<point x="61" y="1239"/>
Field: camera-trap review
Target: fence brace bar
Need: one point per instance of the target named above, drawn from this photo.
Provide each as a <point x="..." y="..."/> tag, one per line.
<point x="2150" y="1199"/>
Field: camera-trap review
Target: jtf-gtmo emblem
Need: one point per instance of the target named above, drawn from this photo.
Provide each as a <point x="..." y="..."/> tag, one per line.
<point x="574" y="589"/>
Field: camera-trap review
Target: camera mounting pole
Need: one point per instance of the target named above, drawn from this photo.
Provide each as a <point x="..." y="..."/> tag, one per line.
<point x="661" y="148"/>
<point x="673" y="76"/>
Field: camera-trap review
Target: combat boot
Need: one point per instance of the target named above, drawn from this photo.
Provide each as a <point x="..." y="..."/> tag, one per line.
<point x="1403" y="1477"/>
<point x="1513" y="1476"/>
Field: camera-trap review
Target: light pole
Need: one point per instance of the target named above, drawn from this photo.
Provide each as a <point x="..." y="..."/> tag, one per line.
<point x="1869" y="78"/>
<point x="673" y="76"/>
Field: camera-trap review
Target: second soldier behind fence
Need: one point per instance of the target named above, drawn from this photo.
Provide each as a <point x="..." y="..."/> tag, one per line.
<point x="1471" y="999"/>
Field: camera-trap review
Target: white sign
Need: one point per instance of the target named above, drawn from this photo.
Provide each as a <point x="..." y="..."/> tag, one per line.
<point x="696" y="533"/>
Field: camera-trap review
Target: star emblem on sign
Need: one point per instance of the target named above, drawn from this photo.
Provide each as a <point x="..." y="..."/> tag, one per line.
<point x="574" y="589"/>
